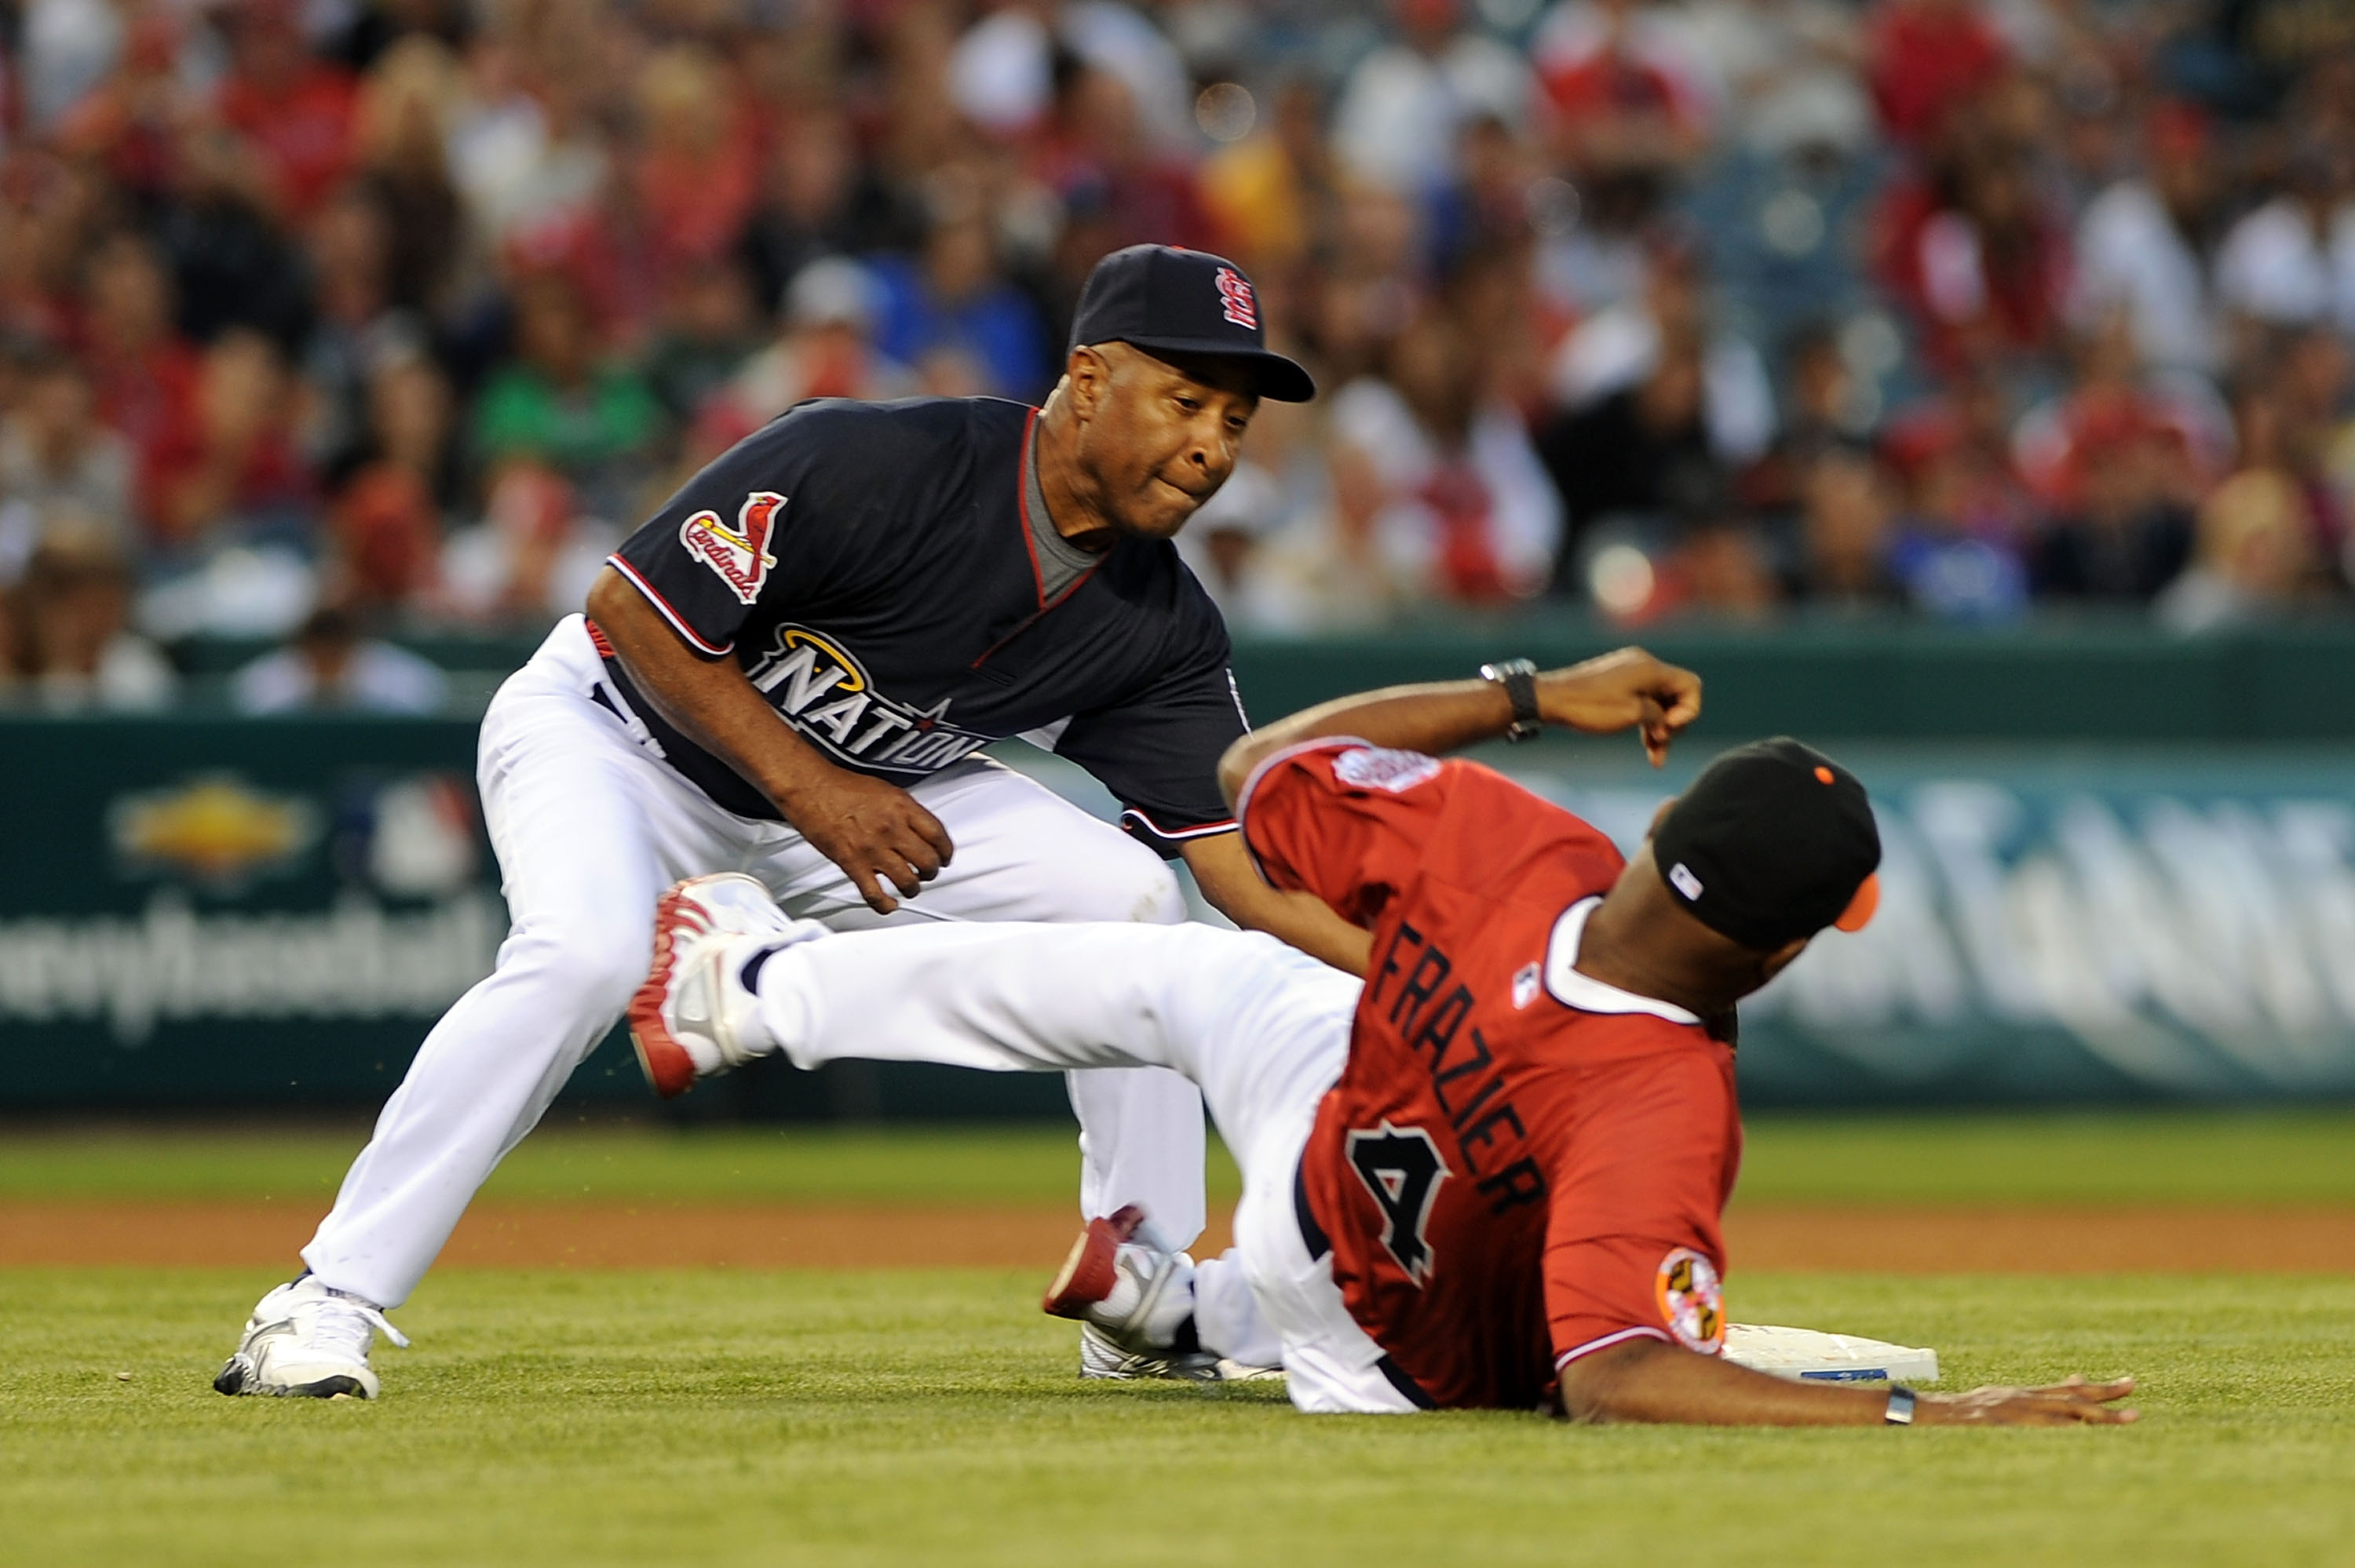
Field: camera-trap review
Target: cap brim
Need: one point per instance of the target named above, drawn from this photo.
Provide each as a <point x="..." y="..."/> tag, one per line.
<point x="1863" y="906"/>
<point x="1278" y="377"/>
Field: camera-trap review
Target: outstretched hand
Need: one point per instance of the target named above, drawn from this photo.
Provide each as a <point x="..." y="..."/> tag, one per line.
<point x="1619" y="691"/>
<point x="2070" y="1404"/>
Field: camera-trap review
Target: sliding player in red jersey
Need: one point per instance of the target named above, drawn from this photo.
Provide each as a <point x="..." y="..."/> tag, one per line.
<point x="1491" y="1176"/>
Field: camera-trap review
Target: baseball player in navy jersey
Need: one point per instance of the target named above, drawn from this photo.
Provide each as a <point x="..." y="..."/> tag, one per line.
<point x="792" y="672"/>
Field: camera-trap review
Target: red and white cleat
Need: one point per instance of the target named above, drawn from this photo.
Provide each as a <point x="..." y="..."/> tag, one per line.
<point x="1132" y="1296"/>
<point x="693" y="1017"/>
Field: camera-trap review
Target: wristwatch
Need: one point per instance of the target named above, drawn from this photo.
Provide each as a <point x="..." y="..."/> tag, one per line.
<point x="1520" y="679"/>
<point x="1901" y="1401"/>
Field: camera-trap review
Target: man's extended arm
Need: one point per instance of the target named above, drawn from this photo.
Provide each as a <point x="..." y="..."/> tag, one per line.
<point x="1223" y="871"/>
<point x="1650" y="1379"/>
<point x="1602" y="695"/>
<point x="874" y="831"/>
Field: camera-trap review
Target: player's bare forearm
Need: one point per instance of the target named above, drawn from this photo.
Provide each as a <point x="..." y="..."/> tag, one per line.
<point x="873" y="830"/>
<point x="706" y="700"/>
<point x="1649" y="1380"/>
<point x="1627" y="689"/>
<point x="1652" y="1381"/>
<point x="1224" y="873"/>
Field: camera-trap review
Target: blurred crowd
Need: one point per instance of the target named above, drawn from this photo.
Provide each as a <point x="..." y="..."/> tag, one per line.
<point x="322" y="318"/>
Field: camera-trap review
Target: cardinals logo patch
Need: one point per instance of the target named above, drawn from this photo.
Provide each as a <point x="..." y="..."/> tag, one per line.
<point x="1692" y="1300"/>
<point x="739" y="555"/>
<point x="1235" y="296"/>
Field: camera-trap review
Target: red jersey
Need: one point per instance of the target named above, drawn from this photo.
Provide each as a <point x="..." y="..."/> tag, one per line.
<point x="302" y="129"/>
<point x="1519" y="1165"/>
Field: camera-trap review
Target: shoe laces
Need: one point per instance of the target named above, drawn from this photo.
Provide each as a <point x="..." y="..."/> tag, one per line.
<point x="348" y="1324"/>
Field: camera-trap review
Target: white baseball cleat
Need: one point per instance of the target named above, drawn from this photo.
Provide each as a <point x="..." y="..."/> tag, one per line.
<point x="694" y="1017"/>
<point x="1103" y="1356"/>
<point x="305" y="1340"/>
<point x="1133" y="1295"/>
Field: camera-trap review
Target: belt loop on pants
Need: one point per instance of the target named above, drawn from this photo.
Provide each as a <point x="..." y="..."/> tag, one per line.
<point x="606" y="696"/>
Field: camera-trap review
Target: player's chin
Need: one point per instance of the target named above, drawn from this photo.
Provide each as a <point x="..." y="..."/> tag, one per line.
<point x="1160" y="513"/>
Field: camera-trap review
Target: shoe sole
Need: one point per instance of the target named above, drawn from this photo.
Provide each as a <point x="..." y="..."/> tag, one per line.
<point x="1128" y="1366"/>
<point x="669" y="1070"/>
<point x="235" y="1380"/>
<point x="1092" y="1270"/>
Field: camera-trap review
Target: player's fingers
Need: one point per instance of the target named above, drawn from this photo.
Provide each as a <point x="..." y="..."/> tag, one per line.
<point x="1679" y="693"/>
<point x="903" y="876"/>
<point x="2077" y="1402"/>
<point x="870" y="888"/>
<point x="1655" y="730"/>
<point x="2078" y="1413"/>
<point x="919" y="852"/>
<point x="928" y="828"/>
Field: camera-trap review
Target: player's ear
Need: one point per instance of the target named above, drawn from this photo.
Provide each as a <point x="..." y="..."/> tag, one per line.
<point x="1782" y="957"/>
<point x="1088" y="374"/>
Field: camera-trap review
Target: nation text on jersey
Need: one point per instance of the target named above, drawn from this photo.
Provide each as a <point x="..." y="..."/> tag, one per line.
<point x="825" y="693"/>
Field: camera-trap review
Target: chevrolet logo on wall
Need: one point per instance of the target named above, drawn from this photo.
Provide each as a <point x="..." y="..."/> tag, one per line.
<point x="214" y="830"/>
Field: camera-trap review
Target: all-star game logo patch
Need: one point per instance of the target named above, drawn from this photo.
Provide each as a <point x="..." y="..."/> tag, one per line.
<point x="1692" y="1300"/>
<point x="1235" y="298"/>
<point x="739" y="556"/>
<point x="1379" y="768"/>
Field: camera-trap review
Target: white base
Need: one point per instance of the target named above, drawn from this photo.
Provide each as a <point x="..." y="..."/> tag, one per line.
<point x="1806" y="1355"/>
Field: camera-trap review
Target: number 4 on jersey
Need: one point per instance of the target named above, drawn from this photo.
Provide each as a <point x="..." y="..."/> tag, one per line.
<point x="1402" y="1167"/>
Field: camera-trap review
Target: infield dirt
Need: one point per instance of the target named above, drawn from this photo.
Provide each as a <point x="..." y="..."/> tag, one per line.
<point x="1896" y="1239"/>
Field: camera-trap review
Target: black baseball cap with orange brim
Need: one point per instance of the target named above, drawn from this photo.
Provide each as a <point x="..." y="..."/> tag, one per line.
<point x="1165" y="299"/>
<point x="1774" y="842"/>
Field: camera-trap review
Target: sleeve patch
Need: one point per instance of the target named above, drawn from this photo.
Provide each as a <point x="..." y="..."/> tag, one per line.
<point x="738" y="557"/>
<point x="1692" y="1300"/>
<point x="1377" y="768"/>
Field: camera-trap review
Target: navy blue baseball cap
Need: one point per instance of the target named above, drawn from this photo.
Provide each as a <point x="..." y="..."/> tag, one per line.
<point x="1187" y="302"/>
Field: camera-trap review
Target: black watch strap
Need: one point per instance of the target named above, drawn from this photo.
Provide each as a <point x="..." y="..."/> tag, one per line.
<point x="1520" y="679"/>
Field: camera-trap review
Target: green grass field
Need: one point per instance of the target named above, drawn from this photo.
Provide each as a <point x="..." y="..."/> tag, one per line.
<point x="2157" y="1157"/>
<point x="730" y="1416"/>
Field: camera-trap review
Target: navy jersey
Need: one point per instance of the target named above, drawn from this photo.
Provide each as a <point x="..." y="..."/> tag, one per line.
<point x="868" y="565"/>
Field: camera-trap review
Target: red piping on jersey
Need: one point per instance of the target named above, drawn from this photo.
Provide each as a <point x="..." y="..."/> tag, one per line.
<point x="1030" y="548"/>
<point x="1607" y="1341"/>
<point x="597" y="639"/>
<point x="678" y="623"/>
<point x="1022" y="509"/>
<point x="1202" y="832"/>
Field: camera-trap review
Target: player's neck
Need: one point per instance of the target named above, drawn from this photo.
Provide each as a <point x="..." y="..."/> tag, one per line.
<point x="1620" y="947"/>
<point x="1073" y="508"/>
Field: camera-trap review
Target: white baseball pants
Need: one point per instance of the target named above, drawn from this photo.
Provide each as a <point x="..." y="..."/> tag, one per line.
<point x="1264" y="1029"/>
<point x="589" y="827"/>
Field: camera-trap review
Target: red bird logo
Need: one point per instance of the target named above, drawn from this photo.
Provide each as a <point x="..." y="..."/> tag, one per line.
<point x="739" y="555"/>
<point x="1235" y="295"/>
